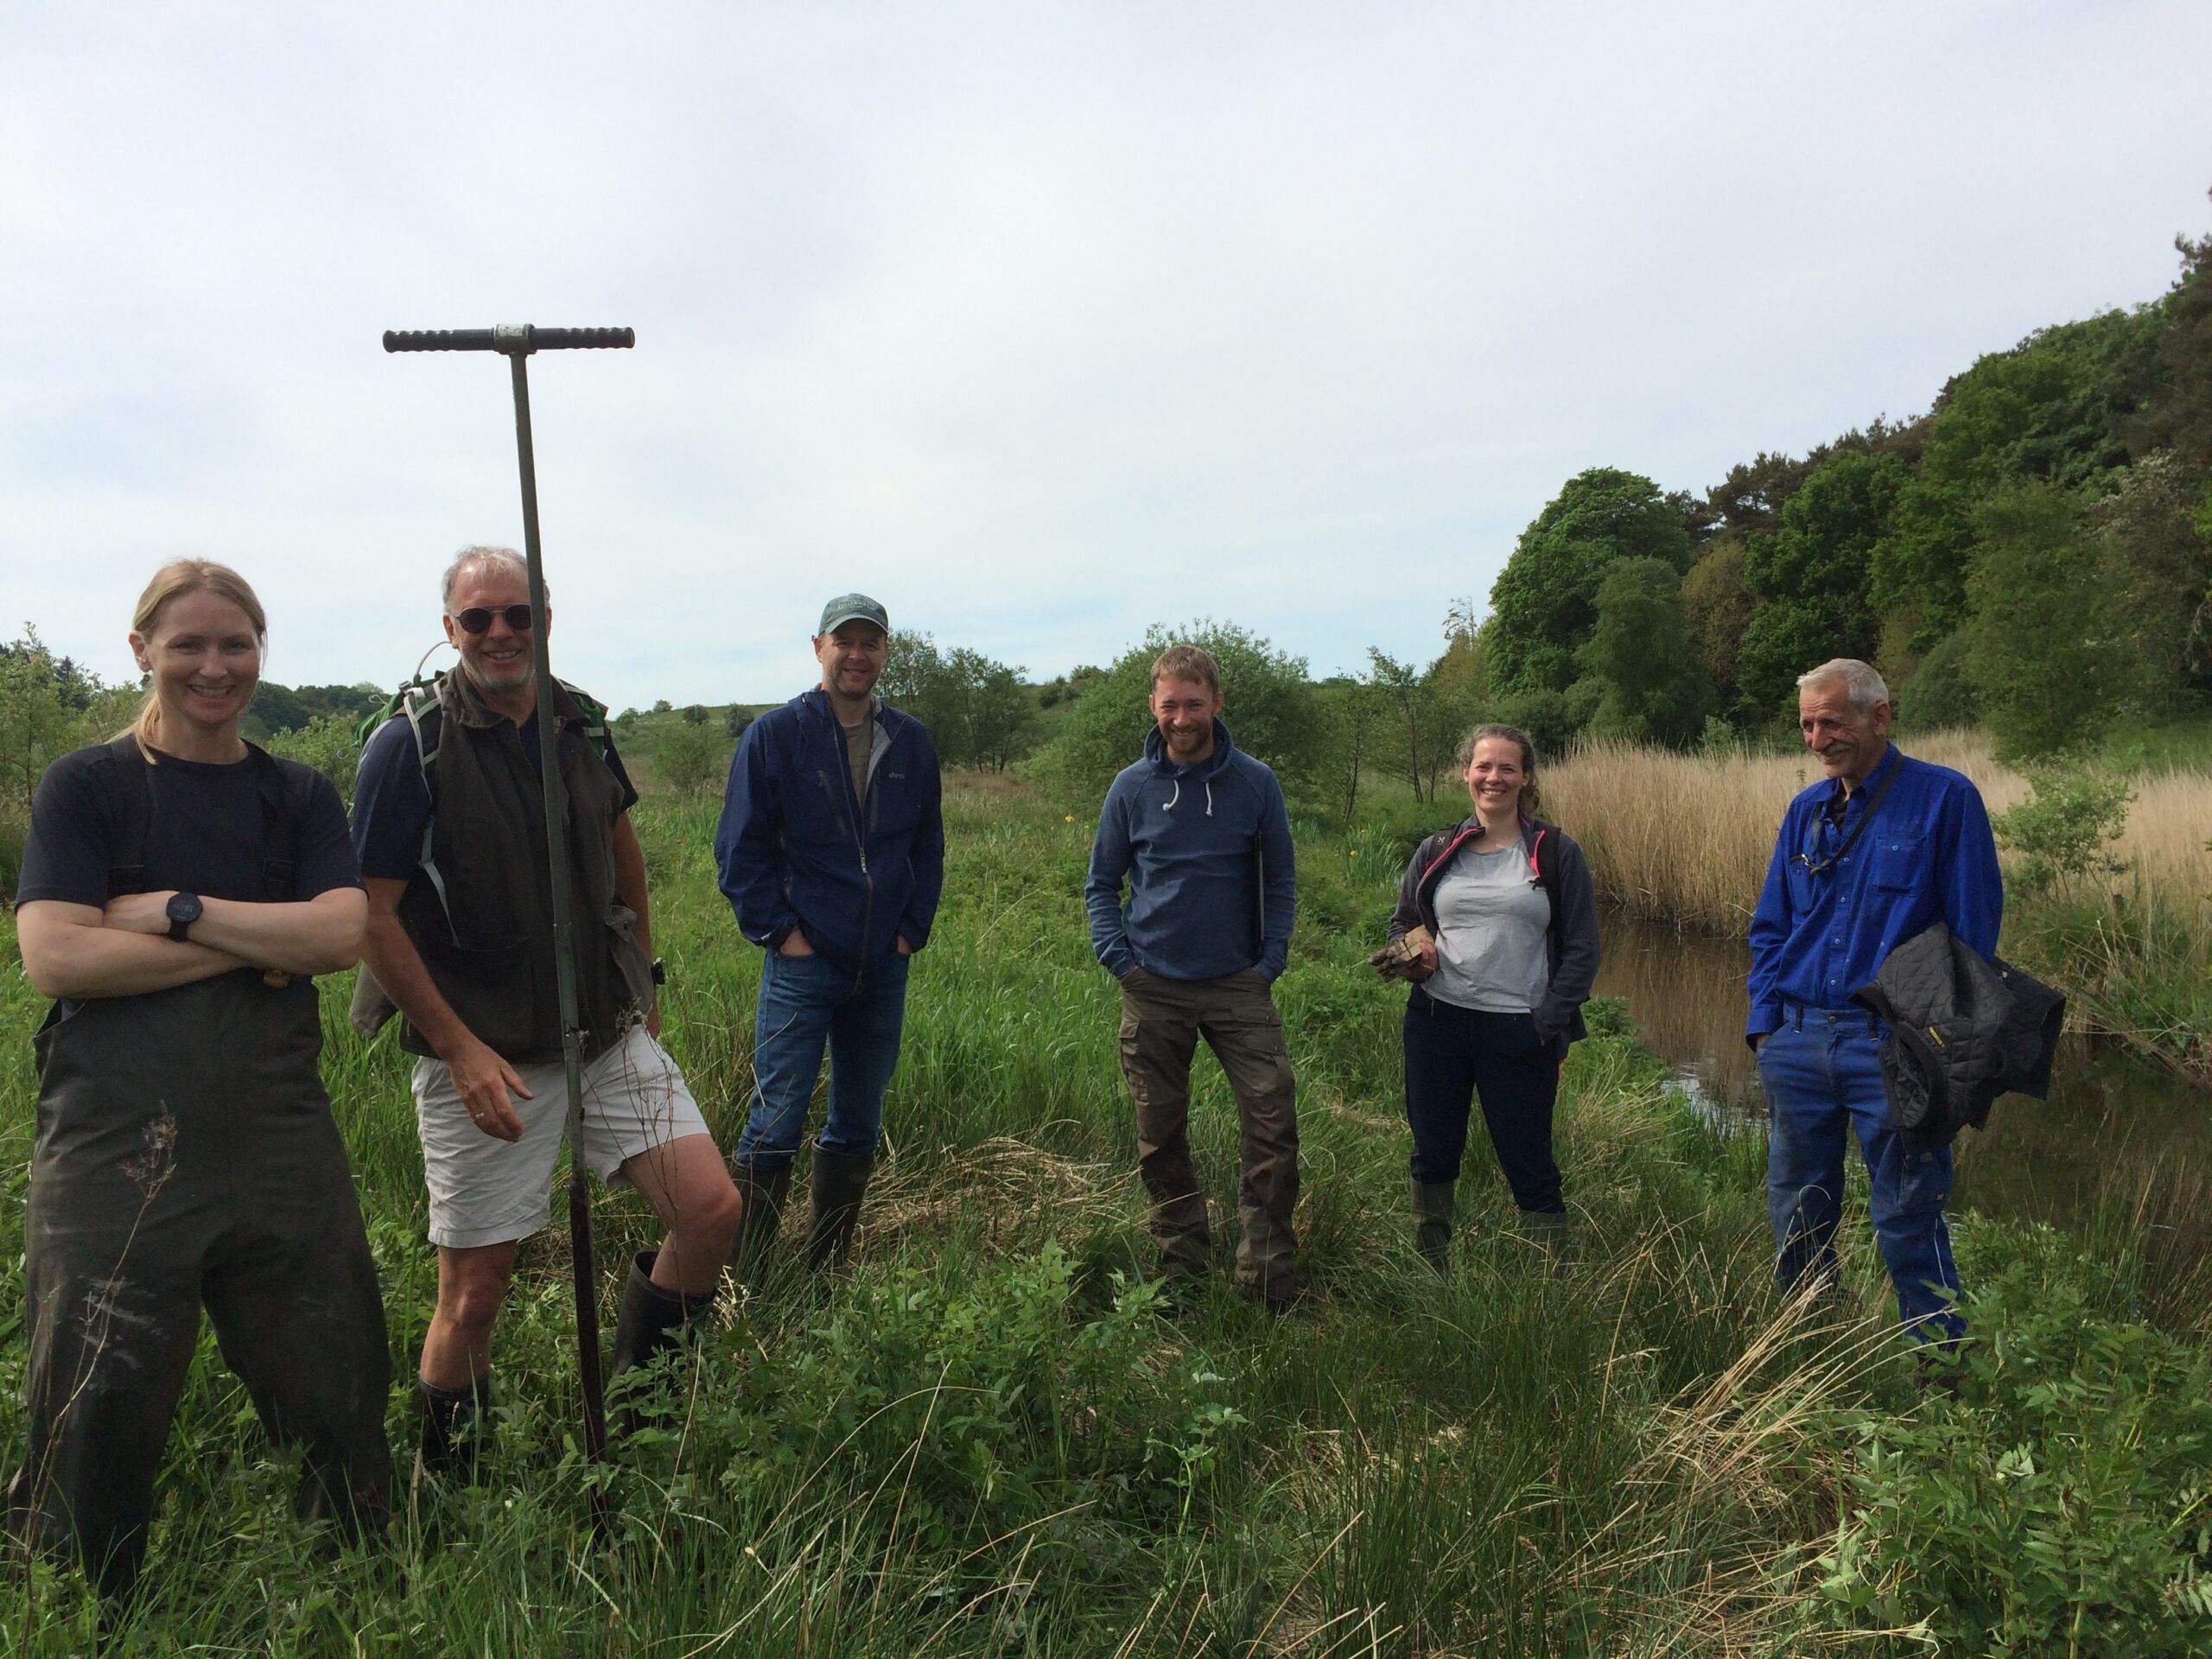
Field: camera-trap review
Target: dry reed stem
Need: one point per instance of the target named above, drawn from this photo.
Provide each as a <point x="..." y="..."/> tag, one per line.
<point x="1011" y="1184"/>
<point x="1686" y="838"/>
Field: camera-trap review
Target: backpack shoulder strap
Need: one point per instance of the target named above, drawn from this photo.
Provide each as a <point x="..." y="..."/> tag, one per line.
<point x="596" y="724"/>
<point x="417" y="702"/>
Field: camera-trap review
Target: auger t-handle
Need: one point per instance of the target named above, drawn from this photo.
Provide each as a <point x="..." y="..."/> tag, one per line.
<point x="514" y="338"/>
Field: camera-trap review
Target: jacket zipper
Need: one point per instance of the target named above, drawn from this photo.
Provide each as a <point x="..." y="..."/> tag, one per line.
<point x="859" y="846"/>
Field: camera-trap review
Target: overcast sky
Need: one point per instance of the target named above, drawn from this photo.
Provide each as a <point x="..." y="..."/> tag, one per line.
<point x="1041" y="323"/>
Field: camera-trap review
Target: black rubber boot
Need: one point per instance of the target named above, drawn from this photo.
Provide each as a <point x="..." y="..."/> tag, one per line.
<point x="1434" y="1209"/>
<point x="453" y="1430"/>
<point x="838" y="1183"/>
<point x="762" y="1195"/>
<point x="1553" y="1232"/>
<point x="651" y="1320"/>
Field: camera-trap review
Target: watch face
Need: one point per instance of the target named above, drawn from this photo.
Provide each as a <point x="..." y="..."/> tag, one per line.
<point x="184" y="908"/>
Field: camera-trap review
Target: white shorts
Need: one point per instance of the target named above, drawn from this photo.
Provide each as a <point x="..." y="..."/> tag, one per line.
<point x="486" y="1190"/>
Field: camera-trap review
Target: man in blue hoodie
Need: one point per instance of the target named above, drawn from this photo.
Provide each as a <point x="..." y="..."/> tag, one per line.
<point x="1200" y="833"/>
<point x="831" y="849"/>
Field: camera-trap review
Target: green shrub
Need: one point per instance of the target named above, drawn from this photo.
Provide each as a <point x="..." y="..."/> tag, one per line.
<point x="690" y="758"/>
<point x="2061" y="829"/>
<point x="1940" y="694"/>
<point x="2060" y="1503"/>
<point x="329" y="743"/>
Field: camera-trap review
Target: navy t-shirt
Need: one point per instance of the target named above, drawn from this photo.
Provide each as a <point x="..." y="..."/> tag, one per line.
<point x="205" y="837"/>
<point x="391" y="802"/>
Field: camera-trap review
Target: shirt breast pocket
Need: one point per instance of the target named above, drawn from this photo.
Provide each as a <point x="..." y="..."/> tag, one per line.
<point x="1898" y="862"/>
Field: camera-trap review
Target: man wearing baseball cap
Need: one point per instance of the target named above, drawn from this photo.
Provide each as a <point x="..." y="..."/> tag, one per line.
<point x="831" y="849"/>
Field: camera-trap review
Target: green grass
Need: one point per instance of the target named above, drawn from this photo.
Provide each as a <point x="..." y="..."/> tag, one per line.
<point x="995" y="1440"/>
<point x="2179" y="745"/>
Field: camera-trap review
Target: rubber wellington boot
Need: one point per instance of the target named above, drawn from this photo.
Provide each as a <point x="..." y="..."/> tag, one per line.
<point x="651" y="1320"/>
<point x="1554" y="1233"/>
<point x="763" y="1194"/>
<point x="1434" y="1209"/>
<point x="839" y="1181"/>
<point x="453" y="1430"/>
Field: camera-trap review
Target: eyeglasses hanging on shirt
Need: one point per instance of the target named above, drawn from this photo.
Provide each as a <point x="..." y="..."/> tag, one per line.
<point x="1823" y="866"/>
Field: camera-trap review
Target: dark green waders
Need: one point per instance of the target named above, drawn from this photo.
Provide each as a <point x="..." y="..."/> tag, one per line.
<point x="186" y="1155"/>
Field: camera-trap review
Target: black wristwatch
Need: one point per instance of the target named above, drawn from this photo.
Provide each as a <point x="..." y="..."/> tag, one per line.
<point x="184" y="911"/>
<point x="660" y="971"/>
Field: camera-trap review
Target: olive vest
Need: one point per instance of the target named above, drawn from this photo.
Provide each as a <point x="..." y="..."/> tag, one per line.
<point x="479" y="909"/>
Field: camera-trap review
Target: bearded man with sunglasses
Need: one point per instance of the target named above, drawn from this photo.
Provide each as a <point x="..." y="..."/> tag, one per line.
<point x="448" y="820"/>
<point x="1870" y="856"/>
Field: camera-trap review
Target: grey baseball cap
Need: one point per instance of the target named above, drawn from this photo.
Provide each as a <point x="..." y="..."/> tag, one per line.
<point x="852" y="608"/>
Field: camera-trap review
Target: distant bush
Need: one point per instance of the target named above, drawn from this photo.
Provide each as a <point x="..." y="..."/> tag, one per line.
<point x="1272" y="709"/>
<point x="690" y="759"/>
<point x="329" y="743"/>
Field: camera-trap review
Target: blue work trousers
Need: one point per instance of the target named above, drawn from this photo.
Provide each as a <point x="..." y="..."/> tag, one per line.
<point x="808" y="1003"/>
<point x="1455" y="1057"/>
<point x="1822" y="1075"/>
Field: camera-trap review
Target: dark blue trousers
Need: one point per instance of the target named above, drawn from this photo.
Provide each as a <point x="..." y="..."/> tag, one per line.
<point x="1453" y="1057"/>
<point x="1823" y="1077"/>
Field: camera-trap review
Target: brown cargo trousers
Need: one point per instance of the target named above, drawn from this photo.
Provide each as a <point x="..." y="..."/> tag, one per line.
<point x="1161" y="1022"/>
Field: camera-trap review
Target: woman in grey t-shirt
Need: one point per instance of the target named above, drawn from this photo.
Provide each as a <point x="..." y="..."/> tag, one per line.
<point x="1496" y="925"/>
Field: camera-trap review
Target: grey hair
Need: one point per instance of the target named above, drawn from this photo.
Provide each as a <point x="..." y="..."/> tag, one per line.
<point x="1865" y="686"/>
<point x="485" y="555"/>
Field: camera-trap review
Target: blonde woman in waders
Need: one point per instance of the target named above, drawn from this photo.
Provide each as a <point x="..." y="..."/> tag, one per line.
<point x="1496" y="925"/>
<point x="180" y="889"/>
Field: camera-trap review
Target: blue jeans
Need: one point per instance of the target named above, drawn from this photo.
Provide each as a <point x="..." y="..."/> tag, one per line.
<point x="807" y="1003"/>
<point x="1820" y="1075"/>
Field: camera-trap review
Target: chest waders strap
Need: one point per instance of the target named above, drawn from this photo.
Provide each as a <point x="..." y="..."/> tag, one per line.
<point x="134" y="794"/>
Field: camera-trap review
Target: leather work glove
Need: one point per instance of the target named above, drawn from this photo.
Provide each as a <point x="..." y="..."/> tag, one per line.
<point x="1404" y="957"/>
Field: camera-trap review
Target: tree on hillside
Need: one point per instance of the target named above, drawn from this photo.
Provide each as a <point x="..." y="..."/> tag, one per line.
<point x="975" y="710"/>
<point x="1810" y="577"/>
<point x="1545" y="599"/>
<point x="2159" y="565"/>
<point x="1270" y="707"/>
<point x="735" y="718"/>
<point x="2177" y="412"/>
<point x="1641" y="654"/>
<point x="1717" y="605"/>
<point x="2056" y="406"/>
<point x="2042" y="646"/>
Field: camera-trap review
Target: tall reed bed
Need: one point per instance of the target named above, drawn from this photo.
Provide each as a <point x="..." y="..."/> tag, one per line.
<point x="1686" y="837"/>
<point x="995" y="1440"/>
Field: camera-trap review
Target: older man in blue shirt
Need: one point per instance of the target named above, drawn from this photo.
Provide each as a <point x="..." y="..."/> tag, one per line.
<point x="1883" y="847"/>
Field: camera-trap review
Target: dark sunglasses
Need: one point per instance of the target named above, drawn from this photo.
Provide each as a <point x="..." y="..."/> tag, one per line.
<point x="477" y="619"/>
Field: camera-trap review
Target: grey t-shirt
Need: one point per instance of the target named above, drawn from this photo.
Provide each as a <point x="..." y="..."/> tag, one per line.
<point x="1491" y="922"/>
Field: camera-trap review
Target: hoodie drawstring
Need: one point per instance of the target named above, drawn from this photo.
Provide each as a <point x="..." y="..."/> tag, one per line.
<point x="1178" y="796"/>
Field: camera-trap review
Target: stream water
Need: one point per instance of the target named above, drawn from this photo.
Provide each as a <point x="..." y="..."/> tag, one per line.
<point x="2118" y="1135"/>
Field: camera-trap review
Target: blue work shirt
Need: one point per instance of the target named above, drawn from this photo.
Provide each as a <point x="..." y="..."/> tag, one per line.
<point x="1819" y="935"/>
